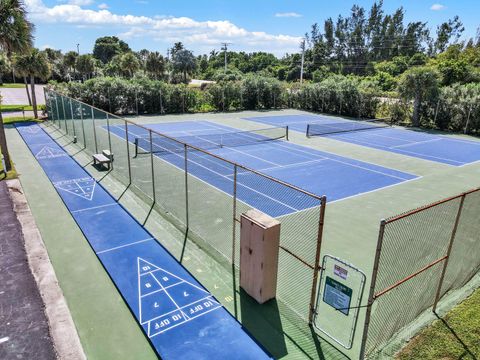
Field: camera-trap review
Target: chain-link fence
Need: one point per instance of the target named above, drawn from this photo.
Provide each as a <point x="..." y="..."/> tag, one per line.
<point x="421" y="255"/>
<point x="204" y="194"/>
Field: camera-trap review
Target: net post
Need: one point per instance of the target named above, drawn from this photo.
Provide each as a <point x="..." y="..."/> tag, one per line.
<point x="234" y="214"/>
<point x="128" y="154"/>
<point x="64" y="114"/>
<point x="135" y="144"/>
<point x="286" y="129"/>
<point x="151" y="164"/>
<point x="373" y="282"/>
<point x="308" y="131"/>
<point x="73" y="122"/>
<point x="94" y="130"/>
<point x="449" y="250"/>
<point x="185" y="147"/>
<point x="316" y="268"/>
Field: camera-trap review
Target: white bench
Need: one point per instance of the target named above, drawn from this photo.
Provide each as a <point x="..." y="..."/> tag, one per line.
<point x="105" y="158"/>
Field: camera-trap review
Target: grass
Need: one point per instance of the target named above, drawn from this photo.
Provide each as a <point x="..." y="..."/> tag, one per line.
<point x="6" y="176"/>
<point x="18" y="85"/>
<point x="14" y="119"/>
<point x="454" y="337"/>
<point x="12" y="108"/>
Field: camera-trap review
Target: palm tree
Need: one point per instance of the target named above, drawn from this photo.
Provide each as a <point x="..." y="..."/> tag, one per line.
<point x="85" y="65"/>
<point x="155" y="64"/>
<point x="184" y="62"/>
<point x="15" y="36"/>
<point x="33" y="65"/>
<point x="129" y="64"/>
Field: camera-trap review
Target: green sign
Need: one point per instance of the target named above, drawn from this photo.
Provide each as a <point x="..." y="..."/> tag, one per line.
<point x="337" y="295"/>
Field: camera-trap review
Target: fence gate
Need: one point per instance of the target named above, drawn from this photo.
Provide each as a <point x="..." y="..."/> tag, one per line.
<point x="338" y="300"/>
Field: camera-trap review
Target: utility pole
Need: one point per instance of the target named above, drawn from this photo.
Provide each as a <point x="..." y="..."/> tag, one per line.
<point x="225" y="48"/>
<point x="302" y="46"/>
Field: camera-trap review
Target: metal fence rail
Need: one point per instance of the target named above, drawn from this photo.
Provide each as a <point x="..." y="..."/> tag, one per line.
<point x="421" y="255"/>
<point x="209" y="214"/>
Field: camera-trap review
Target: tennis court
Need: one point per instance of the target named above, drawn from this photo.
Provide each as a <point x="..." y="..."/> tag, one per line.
<point x="266" y="151"/>
<point x="441" y="149"/>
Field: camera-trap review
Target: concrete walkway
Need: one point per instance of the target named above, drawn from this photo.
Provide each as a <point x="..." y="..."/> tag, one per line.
<point x="18" y="96"/>
<point x="24" y="330"/>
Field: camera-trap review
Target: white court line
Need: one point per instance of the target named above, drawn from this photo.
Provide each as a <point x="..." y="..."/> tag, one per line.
<point x="93" y="208"/>
<point x="417" y="155"/>
<point x="230" y="180"/>
<point x="122" y="246"/>
<point x="415" y="143"/>
<point x="185" y="316"/>
<point x="210" y="297"/>
<point x="288" y="166"/>
<point x="278" y="144"/>
<point x="159" y="290"/>
<point x="184" y="322"/>
<point x="377" y="189"/>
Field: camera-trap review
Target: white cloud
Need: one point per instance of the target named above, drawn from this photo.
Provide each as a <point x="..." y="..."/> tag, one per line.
<point x="103" y="6"/>
<point x="437" y="7"/>
<point x="201" y="35"/>
<point x="80" y="2"/>
<point x="288" y="14"/>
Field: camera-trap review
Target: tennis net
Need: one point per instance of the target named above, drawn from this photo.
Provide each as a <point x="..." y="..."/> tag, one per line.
<point x="342" y="126"/>
<point x="208" y="141"/>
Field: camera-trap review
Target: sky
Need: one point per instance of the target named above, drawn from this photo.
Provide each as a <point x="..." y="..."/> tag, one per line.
<point x="275" y="26"/>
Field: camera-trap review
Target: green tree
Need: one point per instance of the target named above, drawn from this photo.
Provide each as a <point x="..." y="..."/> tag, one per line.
<point x="129" y="64"/>
<point x="4" y="66"/>
<point x="33" y="65"/>
<point x="85" y="65"/>
<point x="107" y="47"/>
<point x="69" y="60"/>
<point x="15" y="36"/>
<point x="419" y="84"/>
<point x="184" y="62"/>
<point x="155" y="65"/>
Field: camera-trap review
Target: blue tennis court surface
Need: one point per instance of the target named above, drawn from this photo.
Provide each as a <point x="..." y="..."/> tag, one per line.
<point x="181" y="319"/>
<point x="318" y="172"/>
<point x="446" y="150"/>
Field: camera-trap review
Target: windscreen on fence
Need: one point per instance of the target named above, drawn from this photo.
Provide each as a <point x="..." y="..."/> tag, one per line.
<point x="421" y="255"/>
<point x="206" y="194"/>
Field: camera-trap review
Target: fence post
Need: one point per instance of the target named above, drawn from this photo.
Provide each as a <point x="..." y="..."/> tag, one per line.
<point x="316" y="268"/>
<point x="73" y="122"/>
<point x="449" y="250"/>
<point x="151" y="163"/>
<point x="127" y="142"/>
<point x="64" y="114"/>
<point x="58" y="112"/>
<point x="234" y="211"/>
<point x="94" y="130"/>
<point x="136" y="101"/>
<point x="468" y="120"/>
<point x="372" y="287"/>
<point x="83" y="126"/>
<point x="109" y="137"/>
<point x="186" y="186"/>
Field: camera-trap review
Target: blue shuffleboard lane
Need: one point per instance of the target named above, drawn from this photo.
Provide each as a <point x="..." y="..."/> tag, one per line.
<point x="316" y="171"/>
<point x="441" y="149"/>
<point x="180" y="317"/>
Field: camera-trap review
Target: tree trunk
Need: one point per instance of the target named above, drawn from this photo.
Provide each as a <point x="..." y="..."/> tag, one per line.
<point x="185" y="77"/>
<point x="28" y="93"/>
<point x="1" y="79"/>
<point x="416" y="111"/>
<point x="3" y="146"/>
<point x="34" y="97"/>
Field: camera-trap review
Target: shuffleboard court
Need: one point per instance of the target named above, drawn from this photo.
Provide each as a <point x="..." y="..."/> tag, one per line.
<point x="446" y="150"/>
<point x="318" y="172"/>
<point x="180" y="317"/>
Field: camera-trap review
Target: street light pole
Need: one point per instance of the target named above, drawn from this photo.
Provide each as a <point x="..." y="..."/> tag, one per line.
<point x="78" y="49"/>
<point x="302" y="46"/>
<point x="225" y="48"/>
